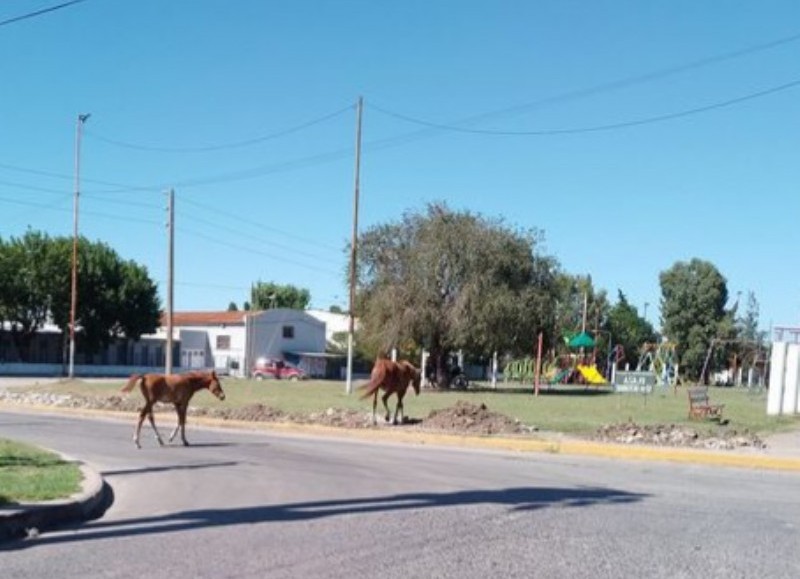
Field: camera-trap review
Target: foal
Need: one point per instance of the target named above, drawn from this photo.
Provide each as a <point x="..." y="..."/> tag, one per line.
<point x="175" y="388"/>
<point x="393" y="378"/>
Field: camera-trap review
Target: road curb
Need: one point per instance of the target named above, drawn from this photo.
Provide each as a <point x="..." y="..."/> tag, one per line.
<point x="26" y="520"/>
<point x="546" y="445"/>
<point x="541" y="443"/>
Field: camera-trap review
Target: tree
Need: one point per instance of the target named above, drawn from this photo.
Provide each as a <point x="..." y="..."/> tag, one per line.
<point x="264" y="296"/>
<point x="447" y="281"/>
<point x="576" y="297"/>
<point x="628" y="328"/>
<point x="115" y="297"/>
<point x="26" y="280"/>
<point x="232" y="307"/>
<point x="748" y="324"/>
<point x="693" y="298"/>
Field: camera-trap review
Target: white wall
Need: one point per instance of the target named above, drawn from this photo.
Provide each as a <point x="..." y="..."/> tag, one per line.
<point x="267" y="333"/>
<point x="784" y="379"/>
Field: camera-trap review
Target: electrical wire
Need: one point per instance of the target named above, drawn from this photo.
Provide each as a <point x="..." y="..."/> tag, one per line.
<point x="39" y="12"/>
<point x="234" y="145"/>
<point x="220" y="242"/>
<point x="261" y="225"/>
<point x="596" y="128"/>
<point x="636" y="79"/>
<point x="216" y="226"/>
<point x="33" y="188"/>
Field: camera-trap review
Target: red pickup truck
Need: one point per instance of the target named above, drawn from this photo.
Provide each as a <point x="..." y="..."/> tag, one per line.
<point x="265" y="368"/>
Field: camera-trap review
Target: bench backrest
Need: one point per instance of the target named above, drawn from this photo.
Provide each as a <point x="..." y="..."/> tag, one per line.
<point x="698" y="395"/>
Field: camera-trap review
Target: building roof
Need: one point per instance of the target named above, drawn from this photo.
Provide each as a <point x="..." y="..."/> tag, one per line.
<point x="206" y="318"/>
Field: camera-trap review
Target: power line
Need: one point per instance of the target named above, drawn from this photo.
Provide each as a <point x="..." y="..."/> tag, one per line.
<point x="256" y="251"/>
<point x="598" y="89"/>
<point x="65" y="177"/>
<point x="40" y="12"/>
<point x="241" y="234"/>
<point x="596" y="128"/>
<point x="234" y="145"/>
<point x="260" y="225"/>
<point x="33" y="188"/>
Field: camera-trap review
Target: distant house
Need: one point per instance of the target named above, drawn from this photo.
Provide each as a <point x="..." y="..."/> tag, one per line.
<point x="335" y="323"/>
<point x="232" y="341"/>
<point x="229" y="342"/>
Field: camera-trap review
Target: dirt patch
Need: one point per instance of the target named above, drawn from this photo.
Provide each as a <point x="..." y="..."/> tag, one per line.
<point x="676" y="435"/>
<point x="467" y="418"/>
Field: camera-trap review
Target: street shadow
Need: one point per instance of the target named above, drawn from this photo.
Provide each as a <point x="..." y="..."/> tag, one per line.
<point x="515" y="499"/>
<point x="167" y="468"/>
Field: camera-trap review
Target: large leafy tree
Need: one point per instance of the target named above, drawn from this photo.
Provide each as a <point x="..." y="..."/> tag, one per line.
<point x="446" y="281"/>
<point x="264" y="296"/>
<point x="115" y="297"/>
<point x="27" y="265"/>
<point x="693" y="298"/>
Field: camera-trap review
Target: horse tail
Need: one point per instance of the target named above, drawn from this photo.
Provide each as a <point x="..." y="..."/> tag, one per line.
<point x="369" y="389"/>
<point x="132" y="382"/>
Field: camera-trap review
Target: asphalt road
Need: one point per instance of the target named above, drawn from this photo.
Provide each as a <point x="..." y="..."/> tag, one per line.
<point x="239" y="504"/>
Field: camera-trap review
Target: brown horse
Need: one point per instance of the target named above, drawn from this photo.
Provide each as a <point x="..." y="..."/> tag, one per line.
<point x="393" y="378"/>
<point x="177" y="389"/>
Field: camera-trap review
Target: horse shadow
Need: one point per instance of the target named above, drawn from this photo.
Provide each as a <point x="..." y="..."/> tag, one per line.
<point x="518" y="499"/>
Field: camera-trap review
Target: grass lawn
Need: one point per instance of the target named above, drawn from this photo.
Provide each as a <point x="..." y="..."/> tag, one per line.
<point x="28" y="474"/>
<point x="575" y="412"/>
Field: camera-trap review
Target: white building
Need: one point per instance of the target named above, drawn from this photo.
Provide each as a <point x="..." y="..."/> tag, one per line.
<point x="229" y="342"/>
<point x="232" y="341"/>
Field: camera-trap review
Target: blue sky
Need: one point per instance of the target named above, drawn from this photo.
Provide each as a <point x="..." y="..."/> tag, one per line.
<point x="247" y="109"/>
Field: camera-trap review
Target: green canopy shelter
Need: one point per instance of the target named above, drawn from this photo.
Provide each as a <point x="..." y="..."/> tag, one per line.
<point x="582" y="340"/>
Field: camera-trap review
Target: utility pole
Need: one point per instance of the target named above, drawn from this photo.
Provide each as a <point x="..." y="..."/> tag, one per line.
<point x="170" y="275"/>
<point x="585" y="308"/>
<point x="353" y="244"/>
<point x="74" y="289"/>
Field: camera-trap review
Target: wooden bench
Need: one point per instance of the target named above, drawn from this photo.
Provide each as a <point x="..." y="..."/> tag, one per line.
<point x="701" y="407"/>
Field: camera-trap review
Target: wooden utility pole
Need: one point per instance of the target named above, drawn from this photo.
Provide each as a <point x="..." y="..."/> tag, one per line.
<point x="353" y="250"/>
<point x="74" y="289"/>
<point x="170" y="276"/>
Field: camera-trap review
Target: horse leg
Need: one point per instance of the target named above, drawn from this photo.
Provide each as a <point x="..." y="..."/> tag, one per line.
<point x="385" y="399"/>
<point x="153" y="424"/>
<point x="177" y="424"/>
<point x="147" y="410"/>
<point x="181" y="410"/>
<point x="374" y="408"/>
<point x="399" y="409"/>
<point x="138" y="428"/>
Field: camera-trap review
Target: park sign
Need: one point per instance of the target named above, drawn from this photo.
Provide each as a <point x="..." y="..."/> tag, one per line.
<point x="640" y="382"/>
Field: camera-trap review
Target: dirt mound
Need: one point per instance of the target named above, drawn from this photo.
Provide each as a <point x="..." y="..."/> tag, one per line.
<point x="469" y="418"/>
<point x="674" y="435"/>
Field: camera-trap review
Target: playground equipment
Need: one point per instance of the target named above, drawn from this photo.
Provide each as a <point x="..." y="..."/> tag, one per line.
<point x="591" y="375"/>
<point x="660" y="359"/>
<point x="753" y="357"/>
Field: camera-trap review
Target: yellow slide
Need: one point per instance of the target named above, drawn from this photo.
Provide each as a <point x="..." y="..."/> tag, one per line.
<point x="591" y="374"/>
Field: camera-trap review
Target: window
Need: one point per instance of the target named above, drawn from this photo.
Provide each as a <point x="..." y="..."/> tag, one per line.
<point x="223" y="342"/>
<point x="288" y="332"/>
